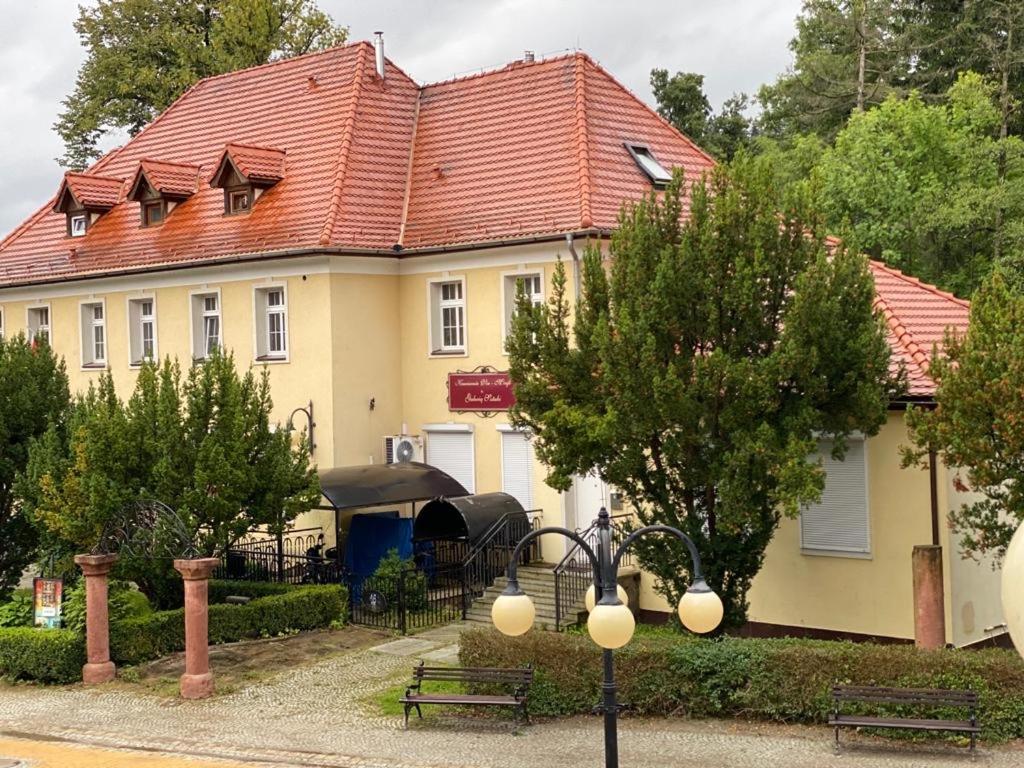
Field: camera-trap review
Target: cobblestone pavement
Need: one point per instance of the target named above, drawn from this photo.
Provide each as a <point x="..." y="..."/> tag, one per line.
<point x="317" y="716"/>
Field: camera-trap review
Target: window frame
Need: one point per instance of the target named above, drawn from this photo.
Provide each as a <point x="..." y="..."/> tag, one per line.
<point x="637" y="150"/>
<point x="3" y="322"/>
<point x="131" y="301"/>
<point x="866" y="554"/>
<point x="197" y="321"/>
<point x="87" y="334"/>
<point x="261" y="310"/>
<point x="229" y="197"/>
<point x="507" y="311"/>
<point x="159" y="203"/>
<point x="435" y="314"/>
<point x="75" y="215"/>
<point x="49" y="321"/>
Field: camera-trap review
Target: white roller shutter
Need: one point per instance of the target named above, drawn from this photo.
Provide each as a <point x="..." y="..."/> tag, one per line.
<point x="517" y="467"/>
<point x="452" y="452"/>
<point x="839" y="522"/>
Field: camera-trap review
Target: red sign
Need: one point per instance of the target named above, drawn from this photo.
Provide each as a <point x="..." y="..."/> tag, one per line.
<point x="486" y="392"/>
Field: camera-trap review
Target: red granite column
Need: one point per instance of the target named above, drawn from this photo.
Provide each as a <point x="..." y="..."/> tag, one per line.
<point x="197" y="682"/>
<point x="929" y="603"/>
<point x="98" y="667"/>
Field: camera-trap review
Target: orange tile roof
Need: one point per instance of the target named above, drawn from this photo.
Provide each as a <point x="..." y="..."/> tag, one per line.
<point x="92" y="191"/>
<point x="917" y="315"/>
<point x="375" y="166"/>
<point x="258" y="164"/>
<point x="171" y="179"/>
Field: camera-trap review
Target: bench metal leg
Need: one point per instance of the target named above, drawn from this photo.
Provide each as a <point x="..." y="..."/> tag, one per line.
<point x="419" y="712"/>
<point x="407" y="708"/>
<point x="836" y="745"/>
<point x="973" y="739"/>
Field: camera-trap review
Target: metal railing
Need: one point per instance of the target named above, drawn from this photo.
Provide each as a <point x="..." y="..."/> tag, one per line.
<point x="574" y="573"/>
<point x="438" y="589"/>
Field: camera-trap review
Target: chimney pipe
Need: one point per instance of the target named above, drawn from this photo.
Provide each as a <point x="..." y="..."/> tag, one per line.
<point x="528" y="57"/>
<point x="378" y="47"/>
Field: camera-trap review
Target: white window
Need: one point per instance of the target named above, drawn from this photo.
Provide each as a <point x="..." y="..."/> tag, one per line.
<point x="450" y="449"/>
<point x="271" y="324"/>
<point x="207" y="333"/>
<point x="517" y="465"/>
<point x="447" y="317"/>
<point x="839" y="523"/>
<point x="530" y="282"/>
<point x="648" y="163"/>
<point x="142" y="330"/>
<point x="39" y="323"/>
<point x="79" y="224"/>
<point x="94" y="335"/>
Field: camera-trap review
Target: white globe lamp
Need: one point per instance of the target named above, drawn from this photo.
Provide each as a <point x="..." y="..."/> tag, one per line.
<point x="700" y="609"/>
<point x="611" y="625"/>
<point x="1013" y="589"/>
<point x="513" y="612"/>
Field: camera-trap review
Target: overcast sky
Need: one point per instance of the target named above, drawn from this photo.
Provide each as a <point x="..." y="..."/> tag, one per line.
<point x="736" y="44"/>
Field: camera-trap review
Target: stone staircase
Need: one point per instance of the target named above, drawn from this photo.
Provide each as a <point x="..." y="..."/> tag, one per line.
<point x="538" y="581"/>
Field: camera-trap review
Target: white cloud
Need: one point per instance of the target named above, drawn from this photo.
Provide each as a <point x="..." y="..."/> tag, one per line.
<point x="736" y="44"/>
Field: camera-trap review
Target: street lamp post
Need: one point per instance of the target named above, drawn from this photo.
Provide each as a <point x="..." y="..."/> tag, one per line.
<point x="610" y="622"/>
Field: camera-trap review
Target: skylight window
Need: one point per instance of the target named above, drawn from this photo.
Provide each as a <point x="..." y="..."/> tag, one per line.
<point x="647" y="163"/>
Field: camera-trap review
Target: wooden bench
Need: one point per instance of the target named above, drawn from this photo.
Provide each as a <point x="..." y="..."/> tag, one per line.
<point x="517" y="679"/>
<point x="919" y="697"/>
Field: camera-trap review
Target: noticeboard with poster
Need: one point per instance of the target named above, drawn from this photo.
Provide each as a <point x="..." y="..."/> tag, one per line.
<point x="47" y="595"/>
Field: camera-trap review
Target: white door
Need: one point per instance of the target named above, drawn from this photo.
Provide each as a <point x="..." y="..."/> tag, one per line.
<point x="589" y="494"/>
<point x="517" y="467"/>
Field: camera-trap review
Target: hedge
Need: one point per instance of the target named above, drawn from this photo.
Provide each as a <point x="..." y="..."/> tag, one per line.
<point x="221" y="589"/>
<point x="779" y="680"/>
<point x="47" y="655"/>
<point x="302" y="608"/>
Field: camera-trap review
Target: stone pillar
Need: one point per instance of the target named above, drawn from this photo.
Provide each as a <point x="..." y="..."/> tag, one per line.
<point x="98" y="667"/>
<point x="197" y="682"/>
<point x="929" y="602"/>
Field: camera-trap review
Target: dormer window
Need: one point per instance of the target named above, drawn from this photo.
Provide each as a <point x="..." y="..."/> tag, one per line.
<point x="239" y="201"/>
<point x="83" y="198"/>
<point x="245" y="173"/>
<point x="648" y="163"/>
<point x="159" y="187"/>
<point x="78" y="223"/>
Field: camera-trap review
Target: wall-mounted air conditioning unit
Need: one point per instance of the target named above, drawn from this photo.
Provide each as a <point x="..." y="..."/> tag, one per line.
<point x="399" y="449"/>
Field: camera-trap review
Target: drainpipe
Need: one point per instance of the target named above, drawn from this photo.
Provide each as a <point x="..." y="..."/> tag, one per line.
<point x="575" y="264"/>
<point x="933" y="483"/>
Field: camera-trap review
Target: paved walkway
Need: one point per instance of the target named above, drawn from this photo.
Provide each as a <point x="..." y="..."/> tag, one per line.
<point x="318" y="716"/>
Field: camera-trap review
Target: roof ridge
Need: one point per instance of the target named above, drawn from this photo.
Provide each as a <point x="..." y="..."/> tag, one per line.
<point x="510" y="67"/>
<point x="582" y="138"/>
<point x="648" y="107"/>
<point x="916" y="281"/>
<point x="346" y="146"/>
<point x="408" y="170"/>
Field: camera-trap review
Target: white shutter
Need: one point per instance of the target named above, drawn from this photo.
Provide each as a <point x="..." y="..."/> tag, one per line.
<point x="452" y="452"/>
<point x="517" y="467"/>
<point x="839" y="522"/>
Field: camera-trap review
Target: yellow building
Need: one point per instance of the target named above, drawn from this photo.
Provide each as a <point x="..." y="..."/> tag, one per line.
<point x="362" y="236"/>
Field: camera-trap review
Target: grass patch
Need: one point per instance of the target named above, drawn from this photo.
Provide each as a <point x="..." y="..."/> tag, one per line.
<point x="385" y="703"/>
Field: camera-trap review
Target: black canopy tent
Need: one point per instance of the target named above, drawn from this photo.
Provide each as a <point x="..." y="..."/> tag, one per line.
<point x="465" y="518"/>
<point x="375" y="485"/>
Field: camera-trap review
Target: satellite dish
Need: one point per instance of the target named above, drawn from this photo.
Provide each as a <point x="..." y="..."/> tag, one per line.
<point x="405" y="451"/>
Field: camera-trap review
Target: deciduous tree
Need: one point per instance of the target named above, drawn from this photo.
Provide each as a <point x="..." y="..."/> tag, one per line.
<point x="33" y="396"/>
<point x="706" y="358"/>
<point x="977" y="425"/>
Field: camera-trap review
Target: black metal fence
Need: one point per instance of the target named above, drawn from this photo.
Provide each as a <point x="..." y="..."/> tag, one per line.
<point x="574" y="574"/>
<point x="437" y="590"/>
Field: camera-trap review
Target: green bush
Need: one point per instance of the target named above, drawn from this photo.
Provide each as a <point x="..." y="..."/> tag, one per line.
<point x="301" y="608"/>
<point x="18" y="611"/>
<point x="123" y="602"/>
<point x="388" y="576"/>
<point x="220" y="590"/>
<point x="46" y="655"/>
<point x="779" y="680"/>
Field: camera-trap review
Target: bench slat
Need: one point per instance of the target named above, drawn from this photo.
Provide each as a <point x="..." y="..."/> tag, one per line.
<point x="937" y="697"/>
<point x="455" y="698"/>
<point x="895" y="722"/>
